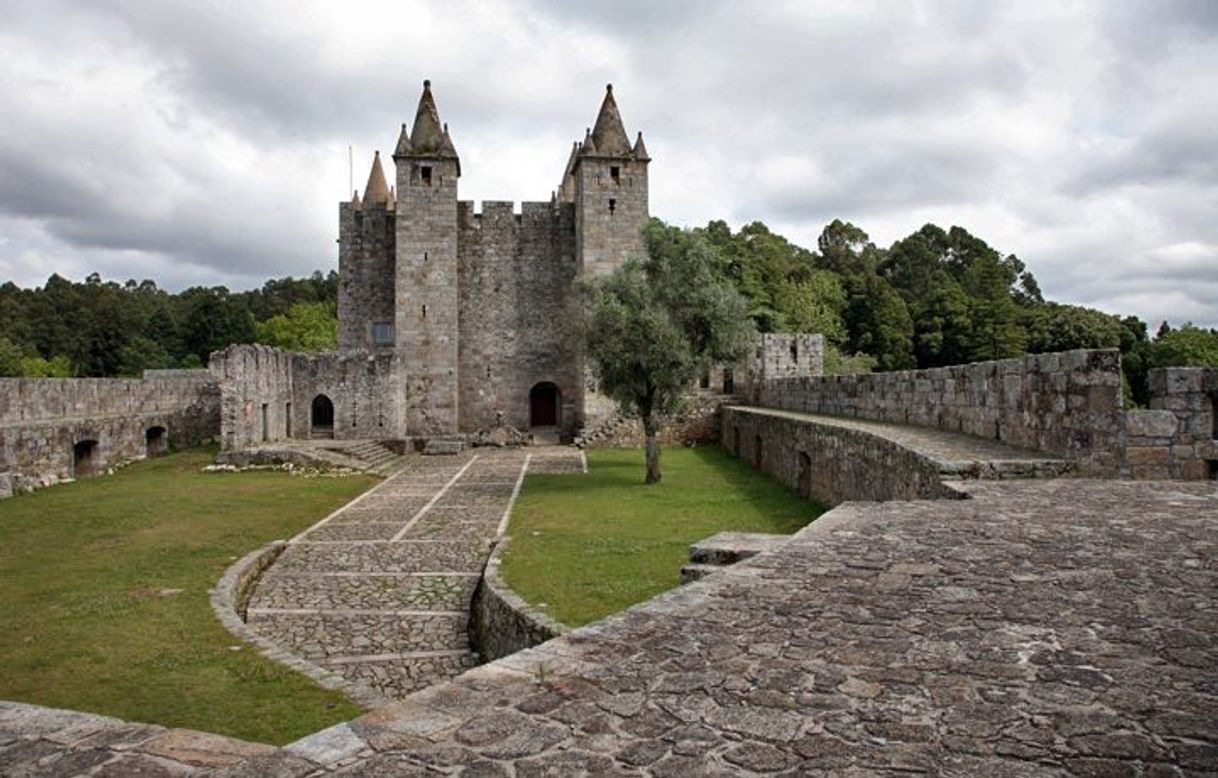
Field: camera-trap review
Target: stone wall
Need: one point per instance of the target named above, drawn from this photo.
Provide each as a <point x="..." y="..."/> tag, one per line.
<point x="697" y="424"/>
<point x="785" y="355"/>
<point x="268" y="395"/>
<point x="502" y="623"/>
<point x="42" y="421"/>
<point x="365" y="274"/>
<point x="828" y="463"/>
<point x="1067" y="404"/>
<point x="1178" y="436"/>
<point x="517" y="323"/>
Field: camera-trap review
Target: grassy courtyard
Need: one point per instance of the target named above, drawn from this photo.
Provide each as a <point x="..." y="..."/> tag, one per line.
<point x="588" y="546"/>
<point x="104" y="603"/>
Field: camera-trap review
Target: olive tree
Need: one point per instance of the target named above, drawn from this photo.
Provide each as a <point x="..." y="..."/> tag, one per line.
<point x="656" y="323"/>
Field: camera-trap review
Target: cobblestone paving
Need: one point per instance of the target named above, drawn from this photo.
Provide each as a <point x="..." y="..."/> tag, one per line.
<point x="380" y="591"/>
<point x="1041" y="628"/>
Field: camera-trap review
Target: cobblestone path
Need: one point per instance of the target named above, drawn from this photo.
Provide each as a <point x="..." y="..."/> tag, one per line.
<point x="379" y="591"/>
<point x="1042" y="628"/>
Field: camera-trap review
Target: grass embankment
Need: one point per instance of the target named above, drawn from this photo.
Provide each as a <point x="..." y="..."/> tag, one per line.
<point x="90" y="613"/>
<point x="591" y="545"/>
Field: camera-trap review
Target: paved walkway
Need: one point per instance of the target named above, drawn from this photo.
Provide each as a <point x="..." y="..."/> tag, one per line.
<point x="1045" y="628"/>
<point x="379" y="591"/>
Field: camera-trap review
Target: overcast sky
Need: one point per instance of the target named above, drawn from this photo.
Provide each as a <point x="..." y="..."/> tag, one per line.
<point x="206" y="143"/>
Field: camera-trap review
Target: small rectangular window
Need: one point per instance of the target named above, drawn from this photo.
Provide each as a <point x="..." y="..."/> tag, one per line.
<point x="425" y="174"/>
<point x="382" y="333"/>
<point x="612" y="205"/>
<point x="615" y="172"/>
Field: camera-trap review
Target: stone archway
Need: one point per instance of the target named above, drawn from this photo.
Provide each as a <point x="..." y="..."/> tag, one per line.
<point x="321" y="417"/>
<point x="545" y="405"/>
<point x="156" y="441"/>
<point x="86" y="460"/>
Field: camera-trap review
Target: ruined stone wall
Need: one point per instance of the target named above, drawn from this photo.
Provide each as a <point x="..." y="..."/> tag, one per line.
<point x="828" y="463"/>
<point x="42" y="420"/>
<point x="267" y="395"/>
<point x="365" y="274"/>
<point x="365" y="390"/>
<point x="786" y="355"/>
<point x="256" y="400"/>
<point x="517" y="274"/>
<point x="1067" y="404"/>
<point x="1178" y="436"/>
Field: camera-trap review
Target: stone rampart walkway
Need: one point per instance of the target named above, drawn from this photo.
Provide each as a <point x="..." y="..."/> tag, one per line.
<point x="379" y="591"/>
<point x="953" y="453"/>
<point x="1043" y="628"/>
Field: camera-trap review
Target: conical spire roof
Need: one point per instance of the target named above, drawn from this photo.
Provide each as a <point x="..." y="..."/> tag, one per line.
<point x="427" y="134"/>
<point x="566" y="188"/>
<point x="609" y="134"/>
<point x="640" y="150"/>
<point x="377" y="190"/>
<point x="588" y="146"/>
<point x="403" y="148"/>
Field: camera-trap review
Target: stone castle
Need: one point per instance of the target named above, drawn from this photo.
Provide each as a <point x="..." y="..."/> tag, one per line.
<point x="470" y="316"/>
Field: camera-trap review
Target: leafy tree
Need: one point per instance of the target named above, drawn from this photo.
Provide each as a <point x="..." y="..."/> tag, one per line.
<point x="879" y="323"/>
<point x="1187" y="346"/>
<point x="10" y="357"/>
<point x="655" y="324"/>
<point x="305" y="327"/>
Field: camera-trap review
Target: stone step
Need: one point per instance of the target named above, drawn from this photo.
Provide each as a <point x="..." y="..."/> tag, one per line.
<point x="443" y="447"/>
<point x="381" y="557"/>
<point x="395" y="677"/>
<point x="327" y="635"/>
<point x="394" y="591"/>
<point x="727" y="548"/>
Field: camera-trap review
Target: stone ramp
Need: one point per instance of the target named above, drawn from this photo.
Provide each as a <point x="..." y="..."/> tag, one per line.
<point x="379" y="592"/>
<point x="955" y="455"/>
<point x="1043" y="628"/>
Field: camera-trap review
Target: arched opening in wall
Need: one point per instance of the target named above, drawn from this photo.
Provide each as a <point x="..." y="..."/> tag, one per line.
<point x="156" y="441"/>
<point x="86" y="459"/>
<point x="544" y="405"/>
<point x="321" y="417"/>
<point x="805" y="475"/>
<point x="757" y="458"/>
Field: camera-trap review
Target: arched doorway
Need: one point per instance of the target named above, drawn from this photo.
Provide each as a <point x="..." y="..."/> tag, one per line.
<point x="321" y="417"/>
<point x="544" y="405"/>
<point x="156" y="441"/>
<point x="85" y="459"/>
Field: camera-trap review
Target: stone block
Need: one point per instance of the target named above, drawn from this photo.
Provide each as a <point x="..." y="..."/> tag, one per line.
<point x="1195" y="470"/>
<point x="6" y="485"/>
<point x="1155" y="455"/>
<point x="1150" y="424"/>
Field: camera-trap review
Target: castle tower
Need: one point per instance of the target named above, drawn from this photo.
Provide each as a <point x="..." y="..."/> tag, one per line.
<point x="610" y="192"/>
<point x="425" y="277"/>
<point x="365" y="266"/>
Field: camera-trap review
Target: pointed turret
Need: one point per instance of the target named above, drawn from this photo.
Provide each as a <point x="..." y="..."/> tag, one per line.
<point x="609" y="134"/>
<point x="640" y="150"/>
<point x="377" y="190"/>
<point x="588" y="146"/>
<point x="427" y="133"/>
<point x="403" y="148"/>
<point x="355" y="199"/>
<point x="566" y="187"/>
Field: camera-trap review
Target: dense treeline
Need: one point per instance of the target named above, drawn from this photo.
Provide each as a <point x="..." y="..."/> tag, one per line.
<point x="936" y="297"/>
<point x="103" y="328"/>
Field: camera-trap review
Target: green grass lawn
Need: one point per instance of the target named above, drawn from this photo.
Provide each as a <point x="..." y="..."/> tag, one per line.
<point x="86" y="618"/>
<point x="591" y="545"/>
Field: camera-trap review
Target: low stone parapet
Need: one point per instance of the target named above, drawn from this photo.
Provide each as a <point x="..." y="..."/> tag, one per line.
<point x="503" y="623"/>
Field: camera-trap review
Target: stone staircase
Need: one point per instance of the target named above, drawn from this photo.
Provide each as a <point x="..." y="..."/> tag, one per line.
<point x="375" y="455"/>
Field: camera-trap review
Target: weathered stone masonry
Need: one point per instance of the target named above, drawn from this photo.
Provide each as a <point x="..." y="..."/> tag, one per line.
<point x="1178" y="436"/>
<point x="52" y="429"/>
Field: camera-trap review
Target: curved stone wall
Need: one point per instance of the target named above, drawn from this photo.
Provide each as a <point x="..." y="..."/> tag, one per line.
<point x="502" y="622"/>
